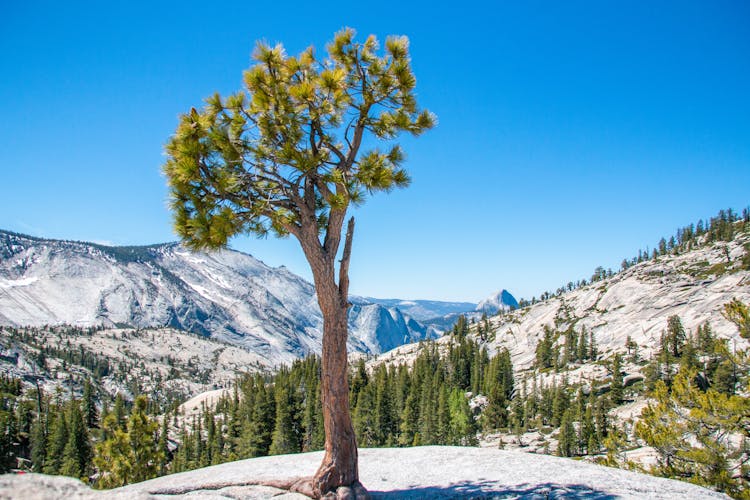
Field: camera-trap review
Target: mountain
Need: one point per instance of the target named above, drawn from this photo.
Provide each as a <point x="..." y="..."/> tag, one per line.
<point x="394" y="473"/>
<point x="501" y="300"/>
<point x="636" y="303"/>
<point x="226" y="295"/>
<point x="424" y="310"/>
<point x="693" y="284"/>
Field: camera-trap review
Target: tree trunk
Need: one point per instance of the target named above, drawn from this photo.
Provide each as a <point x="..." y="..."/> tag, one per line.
<point x="338" y="474"/>
<point x="339" y="466"/>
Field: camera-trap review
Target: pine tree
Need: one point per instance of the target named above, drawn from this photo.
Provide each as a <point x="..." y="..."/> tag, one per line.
<point x="560" y="403"/>
<point x="90" y="412"/>
<point x="285" y="437"/>
<point x="364" y="417"/>
<point x="143" y="439"/>
<point x="39" y="443"/>
<point x="692" y="431"/>
<point x="583" y="348"/>
<point x="312" y="422"/>
<point x="56" y="442"/>
<point x="616" y="387"/>
<point x="77" y="452"/>
<point x="163" y="446"/>
<point x="463" y="428"/>
<point x="277" y="157"/>
<point x="593" y="349"/>
<point x="739" y="314"/>
<point x="113" y="457"/>
<point x="675" y="336"/>
<point x="566" y="437"/>
<point x="495" y="415"/>
<point x="443" y="417"/>
<point x="386" y="423"/>
<point x="119" y="411"/>
<point x="410" y="420"/>
<point x="427" y="407"/>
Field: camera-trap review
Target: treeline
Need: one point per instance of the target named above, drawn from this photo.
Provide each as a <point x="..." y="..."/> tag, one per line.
<point x="698" y="423"/>
<point x="112" y="443"/>
<point x="80" y="437"/>
<point x="56" y="349"/>
<point x="723" y="227"/>
<point x="425" y="403"/>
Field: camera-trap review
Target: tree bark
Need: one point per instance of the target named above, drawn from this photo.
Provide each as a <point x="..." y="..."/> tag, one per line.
<point x="339" y="468"/>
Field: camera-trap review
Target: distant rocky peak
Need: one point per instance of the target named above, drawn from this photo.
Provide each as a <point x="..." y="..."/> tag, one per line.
<point x="500" y="300"/>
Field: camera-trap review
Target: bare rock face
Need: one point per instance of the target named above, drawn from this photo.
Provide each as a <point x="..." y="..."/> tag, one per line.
<point x="226" y="295"/>
<point x="393" y="473"/>
<point x="635" y="303"/>
<point x="43" y="487"/>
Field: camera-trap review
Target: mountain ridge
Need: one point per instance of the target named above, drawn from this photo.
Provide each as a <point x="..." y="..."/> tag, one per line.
<point x="228" y="295"/>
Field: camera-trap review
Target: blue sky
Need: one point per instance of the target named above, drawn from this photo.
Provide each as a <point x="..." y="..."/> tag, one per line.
<point x="570" y="133"/>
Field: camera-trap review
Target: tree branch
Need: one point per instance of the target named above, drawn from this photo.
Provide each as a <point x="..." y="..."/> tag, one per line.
<point x="344" y="267"/>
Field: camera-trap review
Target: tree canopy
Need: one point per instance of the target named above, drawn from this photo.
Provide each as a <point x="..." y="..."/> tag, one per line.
<point x="282" y="154"/>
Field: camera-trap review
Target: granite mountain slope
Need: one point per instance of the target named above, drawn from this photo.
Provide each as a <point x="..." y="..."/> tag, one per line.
<point x="635" y="303"/>
<point x="227" y="295"/>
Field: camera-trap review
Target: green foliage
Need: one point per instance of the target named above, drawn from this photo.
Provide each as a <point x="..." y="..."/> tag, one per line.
<point x="694" y="433"/>
<point x="130" y="453"/>
<point x="286" y="435"/>
<point x="283" y="153"/>
<point x="739" y="314"/>
<point x="566" y="438"/>
<point x="76" y="457"/>
<point x="616" y="386"/>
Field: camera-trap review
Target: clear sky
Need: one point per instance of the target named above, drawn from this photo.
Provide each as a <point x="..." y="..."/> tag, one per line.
<point x="570" y="133"/>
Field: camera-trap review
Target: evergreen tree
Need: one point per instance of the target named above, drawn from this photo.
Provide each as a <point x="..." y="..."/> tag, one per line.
<point x="566" y="437"/>
<point x="616" y="387"/>
<point x="163" y="446"/>
<point x="278" y="157"/>
<point x="364" y="417"/>
<point x="77" y="452"/>
<point x="56" y="442"/>
<point x="119" y="411"/>
<point x="410" y="420"/>
<point x="386" y="422"/>
<point x="739" y="314"/>
<point x="285" y="437"/>
<point x="90" y="412"/>
<point x="462" y="426"/>
<point x="593" y="349"/>
<point x="113" y="457"/>
<point x="583" y="347"/>
<point x="675" y="336"/>
<point x="39" y="443"/>
<point x="495" y="415"/>
<point x="692" y="432"/>
<point x="143" y="440"/>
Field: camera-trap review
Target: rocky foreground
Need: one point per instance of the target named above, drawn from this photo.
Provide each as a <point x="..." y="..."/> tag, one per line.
<point x="392" y="473"/>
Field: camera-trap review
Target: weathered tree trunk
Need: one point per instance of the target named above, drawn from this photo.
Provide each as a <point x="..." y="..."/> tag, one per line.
<point x="339" y="466"/>
<point x="339" y="470"/>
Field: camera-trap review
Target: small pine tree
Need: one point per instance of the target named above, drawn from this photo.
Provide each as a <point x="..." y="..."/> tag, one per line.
<point x="143" y="439"/>
<point x="566" y="437"/>
<point x="616" y="387"/>
<point x="56" y="442"/>
<point x="285" y="437"/>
